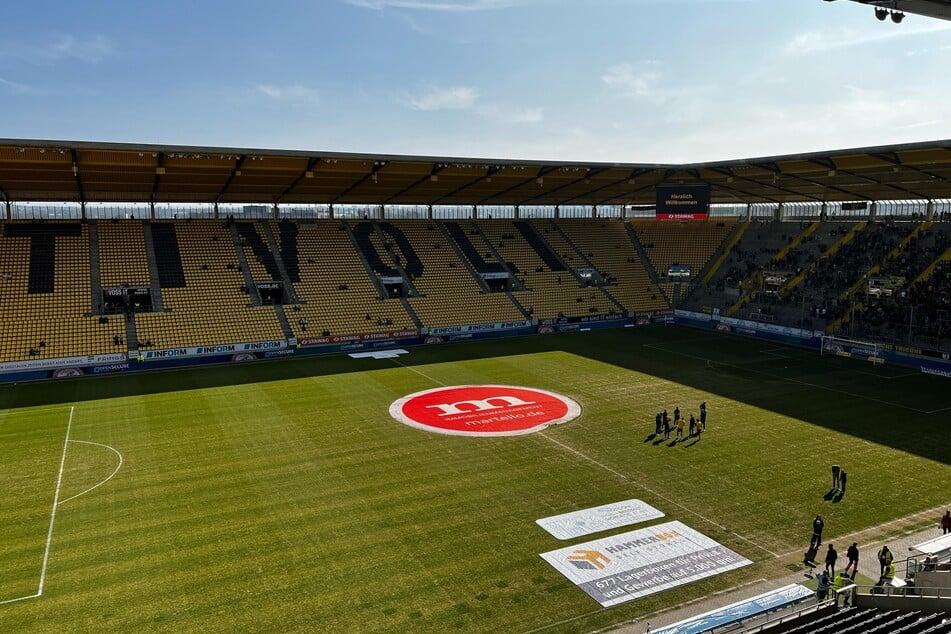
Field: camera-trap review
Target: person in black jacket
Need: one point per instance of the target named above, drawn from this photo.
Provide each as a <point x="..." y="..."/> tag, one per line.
<point x="817" y="525"/>
<point x="831" y="556"/>
<point x="853" y="555"/>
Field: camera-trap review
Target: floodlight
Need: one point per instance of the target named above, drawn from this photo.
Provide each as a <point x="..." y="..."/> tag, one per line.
<point x="881" y="13"/>
<point x="897" y="17"/>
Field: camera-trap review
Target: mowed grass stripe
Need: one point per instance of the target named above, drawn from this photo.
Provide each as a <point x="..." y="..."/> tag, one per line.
<point x="31" y="449"/>
<point x="289" y="500"/>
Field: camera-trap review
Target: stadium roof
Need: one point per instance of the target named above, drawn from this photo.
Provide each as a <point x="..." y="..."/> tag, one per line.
<point x="32" y="170"/>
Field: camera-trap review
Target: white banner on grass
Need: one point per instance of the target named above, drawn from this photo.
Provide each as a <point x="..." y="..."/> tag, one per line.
<point x="616" y="569"/>
<point x="599" y="518"/>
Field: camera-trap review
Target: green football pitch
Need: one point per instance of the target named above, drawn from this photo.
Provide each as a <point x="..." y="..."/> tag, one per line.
<point x="282" y="496"/>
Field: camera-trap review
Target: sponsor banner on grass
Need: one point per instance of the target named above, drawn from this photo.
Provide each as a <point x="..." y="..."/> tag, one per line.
<point x="233" y="349"/>
<point x="638" y="563"/>
<point x="306" y="342"/>
<point x="498" y="325"/>
<point x="599" y="518"/>
<point x="484" y="410"/>
<point x="774" y="600"/>
<point x="61" y="362"/>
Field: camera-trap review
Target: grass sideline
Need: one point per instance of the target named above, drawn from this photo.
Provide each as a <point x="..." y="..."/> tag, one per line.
<point x="281" y="496"/>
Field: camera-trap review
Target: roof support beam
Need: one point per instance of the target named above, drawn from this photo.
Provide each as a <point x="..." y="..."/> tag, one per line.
<point x="629" y="179"/>
<point x="437" y="167"/>
<point x="746" y="179"/>
<point x="377" y="166"/>
<point x="892" y="157"/>
<point x="159" y="170"/>
<point x="588" y="175"/>
<point x="234" y="172"/>
<point x="728" y="185"/>
<point x="311" y="164"/>
<point x="492" y="170"/>
<point x="79" y="181"/>
<point x="548" y="169"/>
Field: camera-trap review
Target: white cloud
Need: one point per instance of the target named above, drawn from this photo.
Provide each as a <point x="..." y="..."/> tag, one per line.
<point x="453" y="98"/>
<point x="466" y="98"/>
<point x="452" y="6"/>
<point x="91" y="50"/>
<point x="16" y="88"/>
<point x="293" y="94"/>
<point x="633" y="82"/>
<point x="825" y="39"/>
<point x="511" y="115"/>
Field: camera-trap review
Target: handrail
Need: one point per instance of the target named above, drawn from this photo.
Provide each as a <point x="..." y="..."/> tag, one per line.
<point x="776" y="620"/>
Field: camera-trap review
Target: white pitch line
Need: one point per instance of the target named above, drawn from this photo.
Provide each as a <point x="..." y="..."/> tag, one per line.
<point x="653" y="492"/>
<point x="114" y="472"/>
<point x="32" y="596"/>
<point x="59" y="482"/>
<point x="422" y="374"/>
<point x="617" y="473"/>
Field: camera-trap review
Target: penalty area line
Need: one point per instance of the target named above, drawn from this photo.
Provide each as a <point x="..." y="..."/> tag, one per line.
<point x="111" y="475"/>
<point x="59" y="483"/>
<point x="49" y="532"/>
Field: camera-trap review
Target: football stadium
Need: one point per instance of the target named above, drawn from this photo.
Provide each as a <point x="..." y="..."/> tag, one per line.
<point x="283" y="390"/>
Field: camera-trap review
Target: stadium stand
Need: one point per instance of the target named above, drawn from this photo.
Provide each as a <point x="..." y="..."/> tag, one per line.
<point x="548" y="288"/>
<point x="122" y="254"/>
<point x="688" y="243"/>
<point x="337" y="293"/>
<point x="607" y="246"/>
<point x="213" y="306"/>
<point x="45" y="298"/>
<point x="204" y="276"/>
<point x="449" y="291"/>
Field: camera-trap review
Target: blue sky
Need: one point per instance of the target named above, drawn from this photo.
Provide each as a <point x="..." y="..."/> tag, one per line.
<point x="586" y="80"/>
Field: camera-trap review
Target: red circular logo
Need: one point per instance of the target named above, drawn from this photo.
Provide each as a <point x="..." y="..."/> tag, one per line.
<point x="484" y="410"/>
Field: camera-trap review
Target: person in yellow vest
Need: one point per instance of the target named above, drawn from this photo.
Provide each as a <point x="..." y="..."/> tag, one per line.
<point x="887" y="575"/>
<point x="884" y="558"/>
<point x="840" y="581"/>
<point x="681" y="423"/>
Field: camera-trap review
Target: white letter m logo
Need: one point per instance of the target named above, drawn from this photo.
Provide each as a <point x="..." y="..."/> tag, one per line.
<point x="478" y="406"/>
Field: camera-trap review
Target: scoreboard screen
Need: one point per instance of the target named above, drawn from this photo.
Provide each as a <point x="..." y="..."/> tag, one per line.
<point x="683" y="202"/>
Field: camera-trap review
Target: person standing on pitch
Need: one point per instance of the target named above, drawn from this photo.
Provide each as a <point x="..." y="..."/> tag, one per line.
<point x="835" y="476"/>
<point x="666" y="426"/>
<point x="658" y="424"/>
<point x="817" y="525"/>
<point x="853" y="555"/>
<point x="703" y="415"/>
<point x="843" y="477"/>
<point x="946" y="523"/>
<point x="676" y="415"/>
<point x="831" y="556"/>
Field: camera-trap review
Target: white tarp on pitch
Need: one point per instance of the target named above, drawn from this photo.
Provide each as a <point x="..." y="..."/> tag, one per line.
<point x="616" y="569"/>
<point x="599" y="518"/>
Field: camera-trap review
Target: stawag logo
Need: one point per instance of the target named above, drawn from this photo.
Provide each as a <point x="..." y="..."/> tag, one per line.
<point x="589" y="559"/>
<point x="484" y="410"/>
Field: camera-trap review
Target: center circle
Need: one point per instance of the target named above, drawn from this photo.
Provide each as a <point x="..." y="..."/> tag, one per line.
<point x="484" y="410"/>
